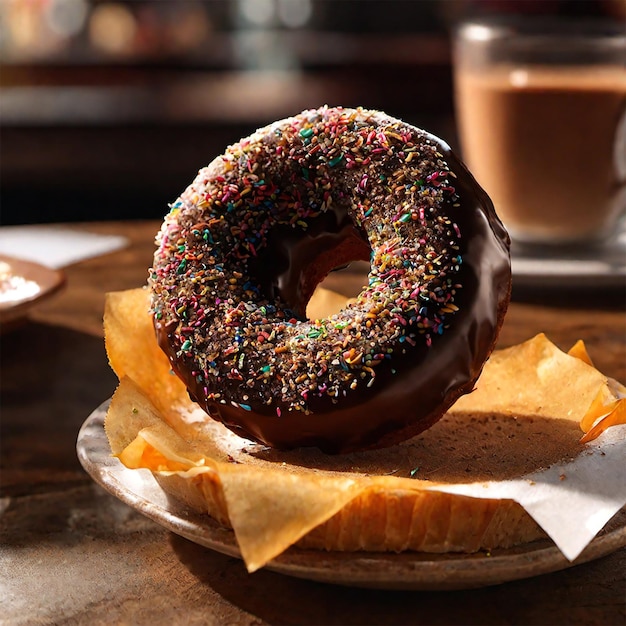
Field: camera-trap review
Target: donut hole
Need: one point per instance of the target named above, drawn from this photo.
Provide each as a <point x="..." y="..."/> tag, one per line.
<point x="340" y="286"/>
<point x="326" y="264"/>
<point x="295" y="262"/>
<point x="347" y="280"/>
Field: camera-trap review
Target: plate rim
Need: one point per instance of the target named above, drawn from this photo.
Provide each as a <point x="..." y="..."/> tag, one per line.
<point x="411" y="570"/>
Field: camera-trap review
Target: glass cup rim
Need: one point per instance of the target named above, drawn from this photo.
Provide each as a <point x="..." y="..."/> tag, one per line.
<point x="596" y="32"/>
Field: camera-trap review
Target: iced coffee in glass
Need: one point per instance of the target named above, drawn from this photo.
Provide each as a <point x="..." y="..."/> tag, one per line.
<point x="541" y="111"/>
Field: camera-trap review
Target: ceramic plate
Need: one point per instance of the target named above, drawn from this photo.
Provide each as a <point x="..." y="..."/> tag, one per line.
<point x="23" y="285"/>
<point x="409" y="570"/>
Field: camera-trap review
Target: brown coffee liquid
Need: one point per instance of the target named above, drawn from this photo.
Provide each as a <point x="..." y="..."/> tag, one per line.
<point x="545" y="145"/>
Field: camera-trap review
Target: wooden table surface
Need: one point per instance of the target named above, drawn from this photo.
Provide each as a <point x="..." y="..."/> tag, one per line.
<point x="72" y="554"/>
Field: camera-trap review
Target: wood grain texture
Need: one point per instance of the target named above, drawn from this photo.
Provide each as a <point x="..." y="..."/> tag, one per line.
<point x="71" y="554"/>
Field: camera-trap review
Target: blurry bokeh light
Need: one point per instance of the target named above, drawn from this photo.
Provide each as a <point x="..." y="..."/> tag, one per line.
<point x="271" y="13"/>
<point x="258" y="12"/>
<point x="190" y="29"/>
<point x="112" y="28"/>
<point x="23" y="28"/>
<point x="66" y="18"/>
<point x="294" y="13"/>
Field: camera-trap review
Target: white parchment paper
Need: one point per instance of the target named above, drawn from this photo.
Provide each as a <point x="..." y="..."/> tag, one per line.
<point x="571" y="501"/>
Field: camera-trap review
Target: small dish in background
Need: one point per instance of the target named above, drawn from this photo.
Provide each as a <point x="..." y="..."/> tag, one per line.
<point x="23" y="285"/>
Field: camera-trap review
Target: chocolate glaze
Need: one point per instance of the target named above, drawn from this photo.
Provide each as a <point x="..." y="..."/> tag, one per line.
<point x="412" y="390"/>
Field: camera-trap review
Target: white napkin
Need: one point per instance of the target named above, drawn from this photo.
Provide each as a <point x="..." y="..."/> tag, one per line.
<point x="55" y="246"/>
<point x="571" y="501"/>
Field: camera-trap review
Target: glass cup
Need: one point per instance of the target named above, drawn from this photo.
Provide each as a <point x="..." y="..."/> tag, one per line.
<point x="541" y="111"/>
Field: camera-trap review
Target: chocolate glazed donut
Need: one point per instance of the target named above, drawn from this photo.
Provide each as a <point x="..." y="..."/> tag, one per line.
<point x="243" y="248"/>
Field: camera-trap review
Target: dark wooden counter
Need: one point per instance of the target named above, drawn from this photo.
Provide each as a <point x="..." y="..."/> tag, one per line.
<point x="72" y="554"/>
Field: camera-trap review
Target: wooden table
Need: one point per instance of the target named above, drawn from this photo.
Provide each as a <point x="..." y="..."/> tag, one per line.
<point x="72" y="554"/>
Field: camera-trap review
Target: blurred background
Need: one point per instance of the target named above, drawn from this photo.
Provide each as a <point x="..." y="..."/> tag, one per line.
<point x="108" y="109"/>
